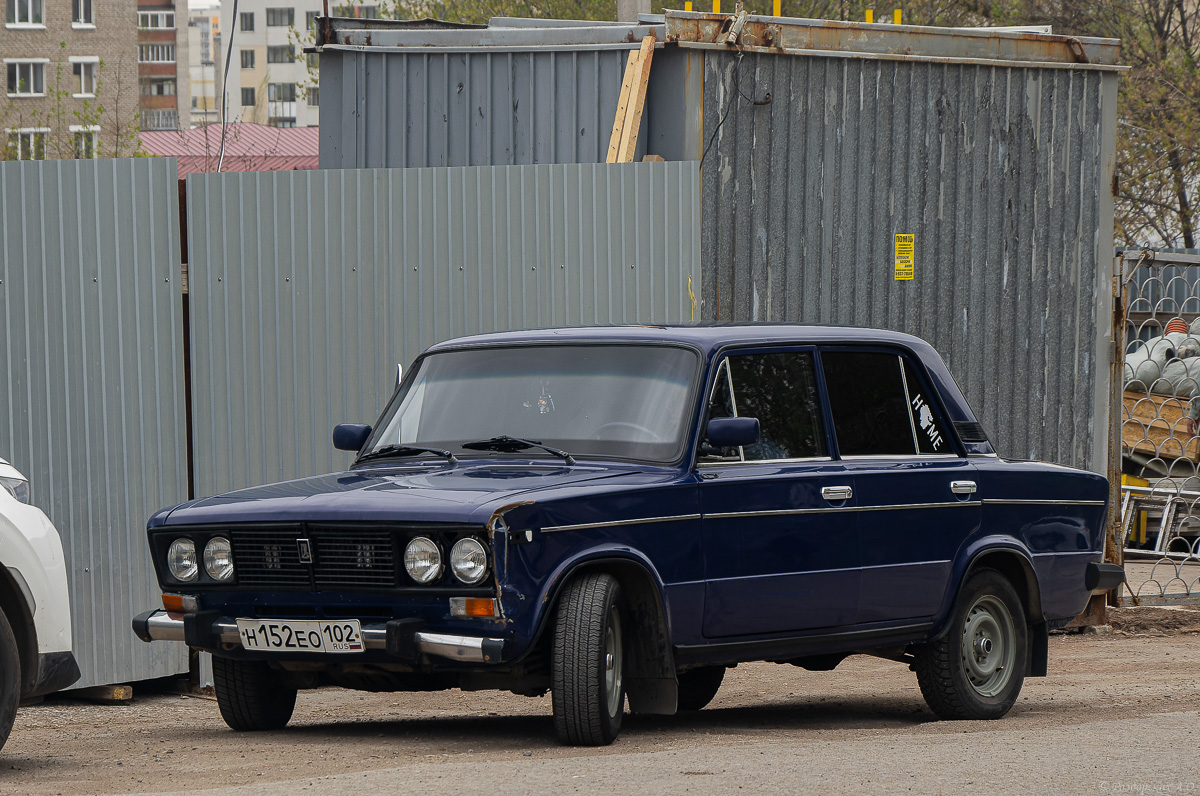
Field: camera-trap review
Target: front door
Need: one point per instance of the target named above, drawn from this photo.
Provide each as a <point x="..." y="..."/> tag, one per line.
<point x="780" y="551"/>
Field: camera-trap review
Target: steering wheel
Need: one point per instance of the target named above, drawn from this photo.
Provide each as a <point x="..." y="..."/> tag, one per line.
<point x="649" y="433"/>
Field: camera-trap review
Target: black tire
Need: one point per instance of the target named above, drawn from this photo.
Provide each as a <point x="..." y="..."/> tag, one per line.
<point x="977" y="670"/>
<point x="588" y="683"/>
<point x="697" y="687"/>
<point x="10" y="678"/>
<point x="251" y="695"/>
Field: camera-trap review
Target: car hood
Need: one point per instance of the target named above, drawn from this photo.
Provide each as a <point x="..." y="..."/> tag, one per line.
<point x="468" y="492"/>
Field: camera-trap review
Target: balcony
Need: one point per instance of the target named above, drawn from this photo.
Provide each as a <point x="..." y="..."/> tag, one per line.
<point x="160" y="120"/>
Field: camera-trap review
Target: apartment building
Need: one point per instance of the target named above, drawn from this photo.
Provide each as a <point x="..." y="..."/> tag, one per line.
<point x="64" y="60"/>
<point x="163" y="64"/>
<point x="204" y="42"/>
<point x="271" y="80"/>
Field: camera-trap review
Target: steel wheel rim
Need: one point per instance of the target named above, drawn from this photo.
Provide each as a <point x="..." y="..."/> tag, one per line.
<point x="988" y="646"/>
<point x="614" y="663"/>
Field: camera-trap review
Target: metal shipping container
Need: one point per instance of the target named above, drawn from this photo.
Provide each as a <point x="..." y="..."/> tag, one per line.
<point x="990" y="153"/>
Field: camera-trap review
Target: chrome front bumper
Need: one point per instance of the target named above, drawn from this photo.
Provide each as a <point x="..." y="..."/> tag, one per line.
<point x="166" y="626"/>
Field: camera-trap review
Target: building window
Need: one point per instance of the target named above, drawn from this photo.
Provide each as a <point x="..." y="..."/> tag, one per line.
<point x="205" y="47"/>
<point x="357" y="11"/>
<point x="86" y="145"/>
<point x="160" y="120"/>
<point x="156" y="19"/>
<point x="158" y="88"/>
<point x="26" y="78"/>
<point x="314" y="60"/>
<point x="247" y="59"/>
<point x="247" y="97"/>
<point x="156" y="53"/>
<point x="281" y="92"/>
<point x="28" y="144"/>
<point x="281" y="55"/>
<point x="26" y="12"/>
<point x="83" y="12"/>
<point x="84" y="78"/>
<point x="246" y="21"/>
<point x="313" y="95"/>
<point x="310" y="20"/>
<point x="282" y="121"/>
<point x="281" y="17"/>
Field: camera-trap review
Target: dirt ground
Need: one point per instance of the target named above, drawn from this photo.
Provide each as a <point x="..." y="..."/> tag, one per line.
<point x="1119" y="713"/>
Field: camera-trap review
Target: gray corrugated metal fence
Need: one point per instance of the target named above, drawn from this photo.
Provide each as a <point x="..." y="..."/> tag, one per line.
<point x="307" y="288"/>
<point x="1002" y="174"/>
<point x="92" y="399"/>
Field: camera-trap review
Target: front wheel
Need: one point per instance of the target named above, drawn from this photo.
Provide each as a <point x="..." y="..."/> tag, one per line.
<point x="977" y="670"/>
<point x="251" y="695"/>
<point x="588" y="684"/>
<point x="10" y="678"/>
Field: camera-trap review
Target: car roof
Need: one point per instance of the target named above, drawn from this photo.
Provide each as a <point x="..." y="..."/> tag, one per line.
<point x="707" y="337"/>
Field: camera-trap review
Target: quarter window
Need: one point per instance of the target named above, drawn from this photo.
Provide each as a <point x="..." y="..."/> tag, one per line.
<point x="780" y="390"/>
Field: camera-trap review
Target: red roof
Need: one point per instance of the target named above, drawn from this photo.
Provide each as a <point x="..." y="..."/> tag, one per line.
<point x="248" y="147"/>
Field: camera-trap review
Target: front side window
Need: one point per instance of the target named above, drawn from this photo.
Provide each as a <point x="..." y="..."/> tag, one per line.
<point x="25" y="12"/>
<point x="879" y="406"/>
<point x="26" y="78"/>
<point x="780" y="390"/>
<point x="611" y="401"/>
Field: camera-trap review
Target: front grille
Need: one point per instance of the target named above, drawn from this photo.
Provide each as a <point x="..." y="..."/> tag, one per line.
<point x="268" y="557"/>
<point x="354" y="558"/>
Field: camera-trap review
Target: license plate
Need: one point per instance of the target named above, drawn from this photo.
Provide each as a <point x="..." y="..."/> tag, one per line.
<point x="288" y="635"/>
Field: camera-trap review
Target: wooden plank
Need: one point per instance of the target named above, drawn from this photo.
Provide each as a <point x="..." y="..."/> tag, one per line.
<point x="103" y="693"/>
<point x="637" y="103"/>
<point x="614" y="140"/>
<point x="1155" y="425"/>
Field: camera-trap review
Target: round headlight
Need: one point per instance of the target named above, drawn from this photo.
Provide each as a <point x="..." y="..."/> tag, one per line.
<point x="423" y="560"/>
<point x="181" y="559"/>
<point x="218" y="558"/>
<point x="468" y="560"/>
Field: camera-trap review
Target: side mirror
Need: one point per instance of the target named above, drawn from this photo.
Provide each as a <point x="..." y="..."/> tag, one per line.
<point x="732" y="432"/>
<point x="350" y="436"/>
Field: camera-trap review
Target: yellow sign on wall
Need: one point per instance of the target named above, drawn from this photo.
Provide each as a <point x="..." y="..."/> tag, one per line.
<point x="905" y="255"/>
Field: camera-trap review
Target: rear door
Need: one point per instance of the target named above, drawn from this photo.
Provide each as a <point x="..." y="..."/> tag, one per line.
<point x="916" y="494"/>
<point x="780" y="551"/>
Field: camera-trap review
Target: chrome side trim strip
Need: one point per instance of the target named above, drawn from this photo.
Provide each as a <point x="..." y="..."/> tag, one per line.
<point x="737" y="463"/>
<point x="1007" y="502"/>
<point x="615" y="523"/>
<point x="835" y="509"/>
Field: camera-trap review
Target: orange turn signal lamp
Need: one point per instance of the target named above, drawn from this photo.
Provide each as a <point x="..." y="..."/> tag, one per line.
<point x="473" y="607"/>
<point x="180" y="603"/>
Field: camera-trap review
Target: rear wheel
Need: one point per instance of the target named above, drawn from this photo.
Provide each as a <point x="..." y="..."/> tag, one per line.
<point x="697" y="687"/>
<point x="977" y="670"/>
<point x="588" y="685"/>
<point x="251" y="695"/>
<point x="10" y="678"/>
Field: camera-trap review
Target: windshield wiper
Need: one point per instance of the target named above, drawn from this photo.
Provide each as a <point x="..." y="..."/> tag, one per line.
<point x="406" y="450"/>
<point x="507" y="444"/>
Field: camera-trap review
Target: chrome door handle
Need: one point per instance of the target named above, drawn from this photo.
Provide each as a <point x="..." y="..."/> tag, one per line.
<point x="833" y="493"/>
<point x="962" y="487"/>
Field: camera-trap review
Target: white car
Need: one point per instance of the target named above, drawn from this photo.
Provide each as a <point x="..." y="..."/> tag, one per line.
<point x="35" y="615"/>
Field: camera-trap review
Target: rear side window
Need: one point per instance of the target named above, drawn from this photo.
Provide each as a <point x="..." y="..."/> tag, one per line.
<point x="780" y="390"/>
<point x="880" y="406"/>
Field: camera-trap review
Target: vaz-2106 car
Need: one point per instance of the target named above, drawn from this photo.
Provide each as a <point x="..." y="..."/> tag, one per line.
<point x="613" y="513"/>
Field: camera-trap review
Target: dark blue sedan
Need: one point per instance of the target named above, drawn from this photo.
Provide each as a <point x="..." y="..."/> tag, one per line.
<point x="613" y="513"/>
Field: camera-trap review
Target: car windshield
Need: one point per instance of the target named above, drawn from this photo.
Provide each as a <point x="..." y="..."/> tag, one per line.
<point x="619" y="401"/>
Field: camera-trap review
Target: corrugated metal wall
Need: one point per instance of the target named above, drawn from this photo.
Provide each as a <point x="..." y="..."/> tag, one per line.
<point x="1001" y="173"/>
<point x="92" y="399"/>
<point x="307" y="288"/>
<point x="406" y="109"/>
